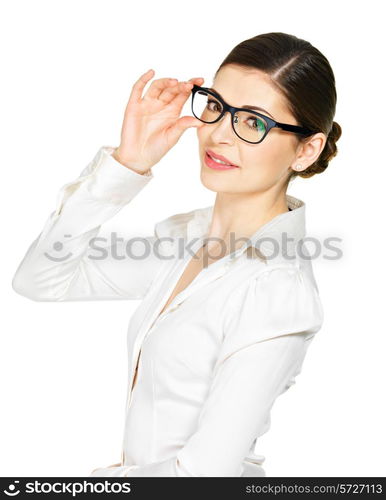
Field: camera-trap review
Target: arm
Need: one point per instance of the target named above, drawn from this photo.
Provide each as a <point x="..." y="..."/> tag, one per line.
<point x="256" y="364"/>
<point x="103" y="188"/>
<point x="237" y="407"/>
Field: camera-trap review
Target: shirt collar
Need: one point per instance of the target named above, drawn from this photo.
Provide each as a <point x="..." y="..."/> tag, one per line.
<point x="277" y="238"/>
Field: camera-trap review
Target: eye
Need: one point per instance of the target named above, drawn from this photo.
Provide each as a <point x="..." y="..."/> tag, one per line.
<point x="213" y="105"/>
<point x="256" y="123"/>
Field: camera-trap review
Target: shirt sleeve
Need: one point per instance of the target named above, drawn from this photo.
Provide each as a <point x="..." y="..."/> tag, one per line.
<point x="68" y="262"/>
<point x="267" y="333"/>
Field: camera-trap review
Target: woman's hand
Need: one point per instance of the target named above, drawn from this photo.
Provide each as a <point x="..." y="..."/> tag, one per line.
<point x="151" y="125"/>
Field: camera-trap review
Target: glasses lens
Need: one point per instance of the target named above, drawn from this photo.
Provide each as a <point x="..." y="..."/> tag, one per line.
<point x="248" y="126"/>
<point x="206" y="107"/>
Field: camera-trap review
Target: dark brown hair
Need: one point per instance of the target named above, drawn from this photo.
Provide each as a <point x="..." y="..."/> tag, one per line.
<point x="304" y="76"/>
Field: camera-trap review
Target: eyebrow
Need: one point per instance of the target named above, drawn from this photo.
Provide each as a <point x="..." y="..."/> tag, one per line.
<point x="257" y="108"/>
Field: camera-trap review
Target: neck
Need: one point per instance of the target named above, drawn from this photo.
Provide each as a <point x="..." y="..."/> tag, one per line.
<point x="236" y="218"/>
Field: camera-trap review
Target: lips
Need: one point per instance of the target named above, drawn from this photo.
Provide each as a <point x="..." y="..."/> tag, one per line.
<point x="220" y="157"/>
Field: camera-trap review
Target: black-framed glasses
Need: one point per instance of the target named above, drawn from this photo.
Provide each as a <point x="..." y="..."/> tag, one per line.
<point x="247" y="124"/>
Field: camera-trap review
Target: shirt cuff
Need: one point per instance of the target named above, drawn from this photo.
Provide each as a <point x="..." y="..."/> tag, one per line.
<point x="114" y="181"/>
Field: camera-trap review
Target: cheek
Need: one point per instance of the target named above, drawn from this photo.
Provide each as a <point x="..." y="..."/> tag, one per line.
<point x="262" y="165"/>
<point x="268" y="159"/>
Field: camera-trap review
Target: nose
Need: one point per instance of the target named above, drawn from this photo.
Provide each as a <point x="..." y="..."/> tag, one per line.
<point x="222" y="130"/>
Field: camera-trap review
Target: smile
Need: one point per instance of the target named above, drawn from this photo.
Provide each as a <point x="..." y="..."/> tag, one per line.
<point x="216" y="163"/>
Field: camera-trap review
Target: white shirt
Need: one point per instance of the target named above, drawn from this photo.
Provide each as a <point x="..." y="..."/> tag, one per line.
<point x="213" y="363"/>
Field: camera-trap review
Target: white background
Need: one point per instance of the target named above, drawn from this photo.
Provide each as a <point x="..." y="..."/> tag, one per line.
<point x="67" y="71"/>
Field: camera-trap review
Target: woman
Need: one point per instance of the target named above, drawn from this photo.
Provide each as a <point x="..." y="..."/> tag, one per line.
<point x="222" y="329"/>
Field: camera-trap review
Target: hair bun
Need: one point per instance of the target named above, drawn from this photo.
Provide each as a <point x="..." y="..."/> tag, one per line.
<point x="335" y="132"/>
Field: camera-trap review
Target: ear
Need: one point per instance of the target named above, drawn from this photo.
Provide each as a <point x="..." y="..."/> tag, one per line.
<point x="308" y="151"/>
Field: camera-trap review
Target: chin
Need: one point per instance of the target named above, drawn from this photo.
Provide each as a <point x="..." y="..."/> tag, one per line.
<point x="213" y="182"/>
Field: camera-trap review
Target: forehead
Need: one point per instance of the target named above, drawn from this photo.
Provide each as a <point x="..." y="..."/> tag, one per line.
<point x="241" y="86"/>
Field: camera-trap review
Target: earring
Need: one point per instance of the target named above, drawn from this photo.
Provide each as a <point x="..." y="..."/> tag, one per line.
<point x="298" y="167"/>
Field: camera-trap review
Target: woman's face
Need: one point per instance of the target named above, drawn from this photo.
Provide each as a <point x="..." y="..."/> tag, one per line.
<point x="260" y="166"/>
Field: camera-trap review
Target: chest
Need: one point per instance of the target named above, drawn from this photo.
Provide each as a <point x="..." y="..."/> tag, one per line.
<point x="193" y="268"/>
<point x="196" y="264"/>
<point x="202" y="258"/>
<point x="193" y="323"/>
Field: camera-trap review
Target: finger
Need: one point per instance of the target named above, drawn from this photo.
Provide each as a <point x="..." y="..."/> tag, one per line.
<point x="181" y="99"/>
<point x="169" y="93"/>
<point x="157" y="86"/>
<point x="186" y="91"/>
<point x="198" y="81"/>
<point x="182" y="124"/>
<point x="139" y="85"/>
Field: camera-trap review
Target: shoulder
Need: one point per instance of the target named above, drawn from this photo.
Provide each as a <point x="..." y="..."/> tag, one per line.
<point x="272" y="302"/>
